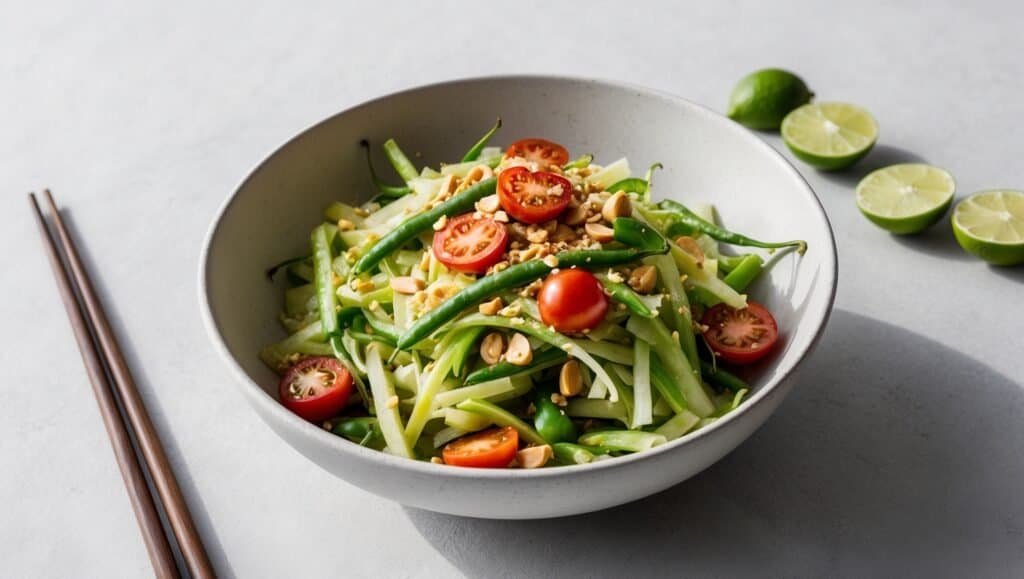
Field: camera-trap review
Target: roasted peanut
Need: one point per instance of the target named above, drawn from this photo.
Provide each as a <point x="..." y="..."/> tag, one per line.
<point x="534" y="456"/>
<point x="492" y="347"/>
<point x="600" y="233"/>
<point x="570" y="380"/>
<point x="643" y="279"/>
<point x="616" y="206"/>
<point x="519" y="351"/>
<point x="406" y="285"/>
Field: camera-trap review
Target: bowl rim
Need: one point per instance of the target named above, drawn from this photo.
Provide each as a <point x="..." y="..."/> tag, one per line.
<point x="317" y="435"/>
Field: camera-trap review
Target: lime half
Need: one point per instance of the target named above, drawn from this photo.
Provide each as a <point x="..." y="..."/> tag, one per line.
<point x="829" y="136"/>
<point x="990" y="224"/>
<point x="905" y="198"/>
<point x="763" y="98"/>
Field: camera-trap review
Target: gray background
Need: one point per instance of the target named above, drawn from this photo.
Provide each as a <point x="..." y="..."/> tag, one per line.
<point x="901" y="452"/>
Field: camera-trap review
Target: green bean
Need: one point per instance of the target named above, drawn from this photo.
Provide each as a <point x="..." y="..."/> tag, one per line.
<point x="722" y="378"/>
<point x="323" y="278"/>
<point x="745" y="272"/>
<point x="643" y="239"/>
<point x="623" y="294"/>
<point x="623" y="440"/>
<point x="541" y="361"/>
<point x="421" y="222"/>
<point x="385" y="190"/>
<point x="403" y="166"/>
<point x="579" y="162"/>
<point x="684" y="221"/>
<point x="474" y="152"/>
<point x="727" y="263"/>
<point x="501" y="417"/>
<point x="569" y="453"/>
<point x="549" y="420"/>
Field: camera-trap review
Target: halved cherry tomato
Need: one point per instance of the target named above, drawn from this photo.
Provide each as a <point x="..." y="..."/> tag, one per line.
<point x="533" y="197"/>
<point x="316" y="388"/>
<point x="544" y="153"/>
<point x="493" y="448"/>
<point x="572" y="300"/>
<point x="470" y="245"/>
<point x="740" y="336"/>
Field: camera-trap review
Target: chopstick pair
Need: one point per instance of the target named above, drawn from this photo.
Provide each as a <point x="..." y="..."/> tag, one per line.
<point x="112" y="381"/>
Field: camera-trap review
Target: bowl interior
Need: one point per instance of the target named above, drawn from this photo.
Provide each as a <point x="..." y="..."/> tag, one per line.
<point x="706" y="157"/>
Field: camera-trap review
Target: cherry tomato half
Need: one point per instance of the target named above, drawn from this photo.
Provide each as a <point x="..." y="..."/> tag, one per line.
<point x="493" y="448"/>
<point x="470" y="245"/>
<point x="740" y="336"/>
<point x="316" y="388"/>
<point x="544" y="153"/>
<point x="533" y="197"/>
<point x="572" y="300"/>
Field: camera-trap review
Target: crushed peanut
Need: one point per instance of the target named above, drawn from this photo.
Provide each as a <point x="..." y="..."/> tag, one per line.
<point x="406" y="285"/>
<point x="600" y="233"/>
<point x="534" y="456"/>
<point x="690" y="246"/>
<point x="489" y="204"/>
<point x="643" y="279"/>
<point x="559" y="400"/>
<point x="501" y="216"/>
<point x="441" y="223"/>
<point x="616" y="206"/>
<point x="550" y="260"/>
<point x="491" y="308"/>
<point x="510" y="311"/>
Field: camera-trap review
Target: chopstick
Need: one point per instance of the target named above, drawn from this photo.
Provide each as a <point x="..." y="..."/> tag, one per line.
<point x="105" y="353"/>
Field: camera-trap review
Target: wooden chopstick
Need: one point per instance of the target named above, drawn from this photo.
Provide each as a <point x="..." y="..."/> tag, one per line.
<point x="159" y="549"/>
<point x="160" y="470"/>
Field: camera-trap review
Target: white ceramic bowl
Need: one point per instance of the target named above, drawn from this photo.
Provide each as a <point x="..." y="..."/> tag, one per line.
<point x="707" y="158"/>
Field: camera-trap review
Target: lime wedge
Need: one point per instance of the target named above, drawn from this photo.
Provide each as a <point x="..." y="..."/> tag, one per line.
<point x="829" y="136"/>
<point x="906" y="198"/>
<point x="990" y="224"/>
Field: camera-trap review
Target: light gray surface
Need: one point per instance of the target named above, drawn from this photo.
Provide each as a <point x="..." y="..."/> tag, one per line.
<point x="902" y="453"/>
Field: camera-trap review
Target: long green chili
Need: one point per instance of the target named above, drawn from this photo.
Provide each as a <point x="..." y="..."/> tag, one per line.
<point x="474" y="152"/>
<point x="421" y="222"/>
<point x="682" y="221"/>
<point x="623" y="294"/>
<point x="722" y="378"/>
<point x="642" y="239"/>
<point x="385" y="190"/>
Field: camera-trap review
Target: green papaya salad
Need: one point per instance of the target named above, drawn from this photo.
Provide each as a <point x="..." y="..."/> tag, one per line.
<point x="519" y="309"/>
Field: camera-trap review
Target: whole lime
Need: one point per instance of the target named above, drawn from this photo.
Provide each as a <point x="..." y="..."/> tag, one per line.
<point x="763" y="98"/>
